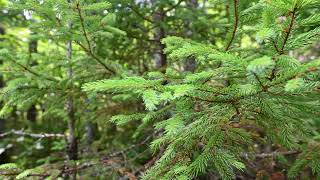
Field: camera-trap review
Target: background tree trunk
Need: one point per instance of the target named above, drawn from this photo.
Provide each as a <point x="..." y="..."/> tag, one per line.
<point x="190" y="64"/>
<point x="72" y="148"/>
<point x="159" y="33"/>
<point x="33" y="48"/>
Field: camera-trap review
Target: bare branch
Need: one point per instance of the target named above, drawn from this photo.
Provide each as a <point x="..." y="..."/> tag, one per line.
<point x="32" y="135"/>
<point x="276" y="153"/>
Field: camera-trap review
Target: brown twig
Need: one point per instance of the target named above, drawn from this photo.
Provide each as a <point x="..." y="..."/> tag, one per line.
<point x="288" y="30"/>
<point x="275" y="46"/>
<point x="235" y="25"/>
<point x="264" y="88"/>
<point x="89" y="49"/>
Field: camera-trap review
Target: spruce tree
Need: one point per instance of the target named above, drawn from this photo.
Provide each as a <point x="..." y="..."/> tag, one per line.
<point x="235" y="92"/>
<point x="170" y="89"/>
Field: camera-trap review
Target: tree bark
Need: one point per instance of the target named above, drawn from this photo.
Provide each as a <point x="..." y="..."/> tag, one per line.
<point x="190" y="64"/>
<point x="159" y="33"/>
<point x="72" y="140"/>
<point x="72" y="147"/>
<point x="33" y="48"/>
<point x="4" y="158"/>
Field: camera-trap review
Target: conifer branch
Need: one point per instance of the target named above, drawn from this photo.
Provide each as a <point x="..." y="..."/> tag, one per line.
<point x="29" y="175"/>
<point x="35" y="73"/>
<point x="275" y="45"/>
<point x="140" y="15"/>
<point x="288" y="30"/>
<point x="89" y="48"/>
<point x="264" y="88"/>
<point x="235" y="25"/>
<point x="174" y="6"/>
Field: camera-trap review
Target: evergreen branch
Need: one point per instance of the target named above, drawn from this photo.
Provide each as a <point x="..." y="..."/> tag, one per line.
<point x="82" y="26"/>
<point x="34" y="73"/>
<point x="275" y="45"/>
<point x="235" y="26"/>
<point x="140" y="15"/>
<point x="32" y="135"/>
<point x="29" y="175"/>
<point x="288" y="30"/>
<point x="89" y="49"/>
<point x="174" y="6"/>
<point x="264" y="88"/>
<point x="198" y="98"/>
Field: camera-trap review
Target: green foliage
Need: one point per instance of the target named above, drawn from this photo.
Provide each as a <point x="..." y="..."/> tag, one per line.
<point x="258" y="87"/>
<point x="234" y="81"/>
<point x="8" y="166"/>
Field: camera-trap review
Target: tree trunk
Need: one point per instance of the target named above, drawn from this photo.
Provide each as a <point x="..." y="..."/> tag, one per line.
<point x="33" y="48"/>
<point x="4" y="158"/>
<point x="72" y="141"/>
<point x="72" y="149"/>
<point x="190" y="64"/>
<point x="159" y="33"/>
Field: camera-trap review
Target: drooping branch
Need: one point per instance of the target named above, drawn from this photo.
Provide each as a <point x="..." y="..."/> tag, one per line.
<point x="235" y="24"/>
<point x="27" y="69"/>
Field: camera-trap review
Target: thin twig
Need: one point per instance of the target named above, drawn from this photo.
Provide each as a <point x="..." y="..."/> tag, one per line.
<point x="130" y="147"/>
<point x="235" y="26"/>
<point x="140" y="15"/>
<point x="89" y="49"/>
<point x="32" y="135"/>
<point x="264" y="88"/>
<point x="174" y="6"/>
<point x="275" y="45"/>
<point x="289" y="29"/>
<point x="35" y="73"/>
<point x="276" y="153"/>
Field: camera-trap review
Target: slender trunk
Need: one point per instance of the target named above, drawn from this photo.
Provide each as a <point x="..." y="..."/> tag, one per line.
<point x="72" y="140"/>
<point x="72" y="149"/>
<point x="91" y="129"/>
<point x="159" y="33"/>
<point x="33" y="48"/>
<point x="4" y="157"/>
